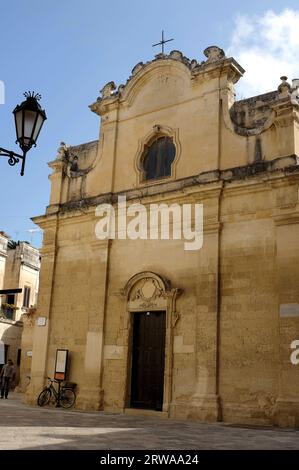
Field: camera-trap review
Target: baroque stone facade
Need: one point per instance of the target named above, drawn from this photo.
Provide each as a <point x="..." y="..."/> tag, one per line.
<point x="227" y="327"/>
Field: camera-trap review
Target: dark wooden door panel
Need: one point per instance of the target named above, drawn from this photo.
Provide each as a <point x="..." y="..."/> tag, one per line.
<point x="148" y="360"/>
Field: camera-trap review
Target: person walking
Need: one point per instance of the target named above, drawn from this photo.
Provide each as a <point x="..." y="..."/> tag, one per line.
<point x="7" y="375"/>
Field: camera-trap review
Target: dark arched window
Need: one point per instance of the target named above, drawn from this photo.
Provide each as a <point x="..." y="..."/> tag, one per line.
<point x="157" y="158"/>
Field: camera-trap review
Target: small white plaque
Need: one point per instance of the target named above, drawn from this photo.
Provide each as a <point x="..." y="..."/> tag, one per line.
<point x="289" y="310"/>
<point x="29" y="353"/>
<point x="41" y="321"/>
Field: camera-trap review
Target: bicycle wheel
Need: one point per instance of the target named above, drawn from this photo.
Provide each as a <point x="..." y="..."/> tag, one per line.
<point x="67" y="397"/>
<point x="44" y="397"/>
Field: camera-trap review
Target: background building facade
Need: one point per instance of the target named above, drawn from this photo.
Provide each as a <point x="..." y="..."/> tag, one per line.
<point x="19" y="268"/>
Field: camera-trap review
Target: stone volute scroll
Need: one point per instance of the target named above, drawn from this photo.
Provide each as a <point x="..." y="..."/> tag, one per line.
<point x="62" y="160"/>
<point x="67" y="157"/>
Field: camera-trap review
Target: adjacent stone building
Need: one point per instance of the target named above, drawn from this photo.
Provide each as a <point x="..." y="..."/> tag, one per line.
<point x="198" y="334"/>
<point x="19" y="268"/>
<point x="3" y="254"/>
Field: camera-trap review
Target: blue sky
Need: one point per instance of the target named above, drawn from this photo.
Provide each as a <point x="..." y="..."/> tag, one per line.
<point x="68" y="49"/>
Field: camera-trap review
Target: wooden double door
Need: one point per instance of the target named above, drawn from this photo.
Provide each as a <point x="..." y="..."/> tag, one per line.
<point x="148" y="360"/>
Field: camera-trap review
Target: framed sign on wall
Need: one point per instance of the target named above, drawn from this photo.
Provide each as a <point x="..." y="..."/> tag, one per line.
<point x="61" y="364"/>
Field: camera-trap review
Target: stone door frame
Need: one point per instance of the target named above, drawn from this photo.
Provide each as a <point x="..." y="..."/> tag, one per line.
<point x="147" y="291"/>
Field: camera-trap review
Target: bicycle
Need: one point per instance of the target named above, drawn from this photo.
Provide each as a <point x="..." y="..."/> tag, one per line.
<point x="65" y="396"/>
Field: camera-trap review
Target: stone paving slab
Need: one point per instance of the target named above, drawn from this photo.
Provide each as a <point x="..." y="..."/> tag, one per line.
<point x="29" y="427"/>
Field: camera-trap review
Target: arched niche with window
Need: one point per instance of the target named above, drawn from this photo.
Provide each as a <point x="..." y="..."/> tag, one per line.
<point x="157" y="155"/>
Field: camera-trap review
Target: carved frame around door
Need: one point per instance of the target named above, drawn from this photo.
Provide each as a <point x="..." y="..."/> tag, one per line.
<point x="143" y="292"/>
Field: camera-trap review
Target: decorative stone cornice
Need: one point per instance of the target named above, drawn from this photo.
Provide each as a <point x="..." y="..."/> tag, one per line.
<point x="207" y="182"/>
<point x="288" y="218"/>
<point x="216" y="59"/>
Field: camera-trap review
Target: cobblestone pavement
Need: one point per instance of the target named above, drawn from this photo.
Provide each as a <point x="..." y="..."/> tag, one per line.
<point x="27" y="427"/>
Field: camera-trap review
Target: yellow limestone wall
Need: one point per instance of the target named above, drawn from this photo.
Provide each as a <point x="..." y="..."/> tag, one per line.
<point x="228" y="336"/>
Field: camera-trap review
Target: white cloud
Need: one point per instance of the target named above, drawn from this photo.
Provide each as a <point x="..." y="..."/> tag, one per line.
<point x="267" y="47"/>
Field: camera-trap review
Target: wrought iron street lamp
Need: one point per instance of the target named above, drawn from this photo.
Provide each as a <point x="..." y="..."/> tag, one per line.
<point x="29" y="118"/>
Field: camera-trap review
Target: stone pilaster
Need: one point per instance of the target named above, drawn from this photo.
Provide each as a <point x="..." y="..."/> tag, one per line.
<point x="41" y="331"/>
<point x="92" y="393"/>
<point x="287" y="233"/>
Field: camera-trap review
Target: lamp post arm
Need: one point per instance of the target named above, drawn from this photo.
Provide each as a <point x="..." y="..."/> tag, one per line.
<point x="13" y="158"/>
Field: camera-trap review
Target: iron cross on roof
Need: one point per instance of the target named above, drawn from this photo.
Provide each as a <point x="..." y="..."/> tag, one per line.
<point x="162" y="42"/>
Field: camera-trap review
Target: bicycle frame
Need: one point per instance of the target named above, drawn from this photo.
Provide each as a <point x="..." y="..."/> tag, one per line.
<point x="55" y="392"/>
<point x="53" y="389"/>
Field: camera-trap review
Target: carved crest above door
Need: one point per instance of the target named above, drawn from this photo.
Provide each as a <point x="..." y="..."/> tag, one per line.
<point x="147" y="290"/>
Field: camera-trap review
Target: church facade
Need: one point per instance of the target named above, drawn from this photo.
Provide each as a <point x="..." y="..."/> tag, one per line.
<point x="151" y="327"/>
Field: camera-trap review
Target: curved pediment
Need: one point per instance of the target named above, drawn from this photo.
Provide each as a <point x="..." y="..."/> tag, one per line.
<point x="166" y="76"/>
<point x="161" y="77"/>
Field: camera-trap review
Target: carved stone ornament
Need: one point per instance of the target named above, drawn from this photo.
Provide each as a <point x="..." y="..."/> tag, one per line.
<point x="295" y="92"/>
<point x="137" y="67"/>
<point x="108" y="90"/>
<point x="214" y="53"/>
<point x="193" y="64"/>
<point x="148" y="290"/>
<point x="284" y="87"/>
<point x="157" y="128"/>
<point x="176" y="55"/>
<point x="175" y="318"/>
<point x="120" y="88"/>
<point x="69" y="159"/>
<point x="62" y="150"/>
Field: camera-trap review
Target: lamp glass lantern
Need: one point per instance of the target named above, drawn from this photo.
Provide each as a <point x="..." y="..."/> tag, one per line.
<point x="29" y="119"/>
